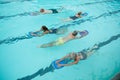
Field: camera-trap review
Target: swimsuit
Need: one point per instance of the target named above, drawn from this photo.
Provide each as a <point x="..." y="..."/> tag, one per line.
<point x="73" y="17"/>
<point x="60" y="41"/>
<point x="53" y="31"/>
<point x="54" y="10"/>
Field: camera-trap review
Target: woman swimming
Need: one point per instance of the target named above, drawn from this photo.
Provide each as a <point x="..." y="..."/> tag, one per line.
<point x="44" y="30"/>
<point x="47" y="11"/>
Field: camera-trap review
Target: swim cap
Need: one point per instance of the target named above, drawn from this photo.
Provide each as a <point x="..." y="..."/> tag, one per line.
<point x="74" y="33"/>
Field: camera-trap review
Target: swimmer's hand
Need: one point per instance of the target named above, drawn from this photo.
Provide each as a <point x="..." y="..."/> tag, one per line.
<point x="32" y="33"/>
<point x="60" y="65"/>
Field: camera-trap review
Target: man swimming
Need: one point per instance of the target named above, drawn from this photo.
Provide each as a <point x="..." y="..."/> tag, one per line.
<point x="44" y="30"/>
<point x="74" y="57"/>
<point x="69" y="37"/>
<point x="47" y="11"/>
<point x="78" y="15"/>
<point x="50" y="11"/>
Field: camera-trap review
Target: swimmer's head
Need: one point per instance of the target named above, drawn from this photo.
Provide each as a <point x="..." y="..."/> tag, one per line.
<point x="74" y="33"/>
<point x="44" y="28"/>
<point x="79" y="13"/>
<point x="42" y="10"/>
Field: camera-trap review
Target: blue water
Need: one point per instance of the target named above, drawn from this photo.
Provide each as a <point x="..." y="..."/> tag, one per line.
<point x="20" y="57"/>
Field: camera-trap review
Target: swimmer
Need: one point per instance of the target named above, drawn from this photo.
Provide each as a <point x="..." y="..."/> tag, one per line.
<point x="44" y="30"/>
<point x="48" y="11"/>
<point x="69" y="37"/>
<point x="71" y="18"/>
<point x="74" y="57"/>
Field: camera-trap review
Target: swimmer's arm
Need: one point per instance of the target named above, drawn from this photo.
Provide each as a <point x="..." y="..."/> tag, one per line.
<point x="75" y="62"/>
<point x="69" y="64"/>
<point x="39" y="35"/>
<point x="33" y="34"/>
<point x="67" y="56"/>
<point x="72" y="63"/>
<point x="61" y="59"/>
<point x="46" y="32"/>
<point x="78" y="37"/>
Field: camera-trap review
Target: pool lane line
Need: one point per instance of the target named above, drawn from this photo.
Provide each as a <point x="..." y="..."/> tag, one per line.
<point x="90" y="19"/>
<point x="6" y="2"/>
<point x="30" y="13"/>
<point x="50" y="68"/>
<point x="12" y="40"/>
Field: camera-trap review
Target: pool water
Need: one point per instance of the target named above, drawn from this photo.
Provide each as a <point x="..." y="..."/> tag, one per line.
<point x="20" y="57"/>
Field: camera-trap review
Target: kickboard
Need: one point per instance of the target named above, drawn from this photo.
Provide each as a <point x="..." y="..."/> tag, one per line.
<point x="84" y="14"/>
<point x="30" y="35"/>
<point x="84" y="33"/>
<point x="56" y="66"/>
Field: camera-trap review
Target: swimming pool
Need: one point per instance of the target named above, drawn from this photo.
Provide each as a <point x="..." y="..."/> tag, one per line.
<point x="20" y="57"/>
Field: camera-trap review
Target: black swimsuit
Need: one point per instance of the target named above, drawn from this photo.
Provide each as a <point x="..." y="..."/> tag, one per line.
<point x="54" y="10"/>
<point x="73" y="17"/>
<point x="53" y="31"/>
